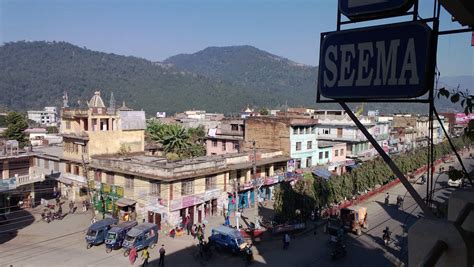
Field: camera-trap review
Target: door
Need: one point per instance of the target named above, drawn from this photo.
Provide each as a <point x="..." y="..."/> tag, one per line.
<point x="339" y="132"/>
<point x="199" y="215"/>
<point x="214" y="206"/>
<point x="158" y="220"/>
<point x="191" y="214"/>
<point x="150" y="217"/>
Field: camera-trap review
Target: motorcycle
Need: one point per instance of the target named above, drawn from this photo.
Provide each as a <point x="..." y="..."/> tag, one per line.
<point x="46" y="216"/>
<point x="386" y="237"/>
<point x="57" y="216"/>
<point x="248" y="254"/>
<point x="338" y="251"/>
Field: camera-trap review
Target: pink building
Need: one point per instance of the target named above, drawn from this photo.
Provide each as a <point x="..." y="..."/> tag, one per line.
<point x="227" y="139"/>
<point x="337" y="163"/>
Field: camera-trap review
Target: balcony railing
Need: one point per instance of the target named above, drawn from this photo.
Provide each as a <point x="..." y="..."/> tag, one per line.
<point x="28" y="179"/>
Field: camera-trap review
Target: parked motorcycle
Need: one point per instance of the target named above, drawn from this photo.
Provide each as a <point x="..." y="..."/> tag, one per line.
<point x="57" y="216"/>
<point x="386" y="236"/>
<point x="248" y="255"/>
<point x="46" y="216"/>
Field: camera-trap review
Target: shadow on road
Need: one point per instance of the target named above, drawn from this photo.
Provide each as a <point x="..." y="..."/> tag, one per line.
<point x="15" y="220"/>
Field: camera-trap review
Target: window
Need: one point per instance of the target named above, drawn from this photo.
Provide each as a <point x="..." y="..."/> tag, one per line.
<point x="306" y="130"/>
<point x="309" y="145"/>
<point x="234" y="127"/>
<point x="298" y="146"/>
<point x="98" y="176"/>
<point x="56" y="166"/>
<point x="326" y="154"/>
<point x="46" y="164"/>
<point x="320" y="155"/>
<point x="187" y="187"/>
<point x="236" y="145"/>
<point x="68" y="124"/>
<point x="110" y="178"/>
<point x="211" y="182"/>
<point x="313" y="129"/>
<point x="68" y="168"/>
<point x="342" y="151"/>
<point x="326" y="131"/>
<point x="336" y="153"/>
<point x="214" y="143"/>
<point x="308" y="162"/>
<point x="223" y="145"/>
<point x="76" y="169"/>
<point x="129" y="182"/>
<point x="155" y="189"/>
<point x="295" y="130"/>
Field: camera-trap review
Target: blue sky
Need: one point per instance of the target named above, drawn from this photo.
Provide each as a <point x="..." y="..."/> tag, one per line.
<point x="158" y="29"/>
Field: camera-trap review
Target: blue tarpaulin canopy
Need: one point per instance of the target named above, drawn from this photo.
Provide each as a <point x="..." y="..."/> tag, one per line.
<point x="323" y="173"/>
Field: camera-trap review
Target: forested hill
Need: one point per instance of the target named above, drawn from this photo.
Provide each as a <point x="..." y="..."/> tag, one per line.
<point x="35" y="74"/>
<point x="216" y="79"/>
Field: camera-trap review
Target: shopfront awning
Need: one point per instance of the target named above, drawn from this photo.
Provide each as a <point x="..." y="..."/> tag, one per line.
<point x="124" y="202"/>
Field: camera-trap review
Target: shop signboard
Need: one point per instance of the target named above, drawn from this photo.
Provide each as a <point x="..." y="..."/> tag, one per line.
<point x="368" y="9"/>
<point x="7" y="184"/>
<point x="382" y="62"/>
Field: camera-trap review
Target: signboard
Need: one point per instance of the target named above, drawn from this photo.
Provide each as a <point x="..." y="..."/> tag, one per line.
<point x="381" y="62"/>
<point x="464" y="119"/>
<point x="7" y="184"/>
<point x="361" y="9"/>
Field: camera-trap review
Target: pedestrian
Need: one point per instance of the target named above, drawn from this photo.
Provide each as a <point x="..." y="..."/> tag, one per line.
<point x="145" y="256"/>
<point x="227" y="221"/>
<point x="286" y="241"/>
<point x="71" y="207"/>
<point x="189" y="226"/>
<point x="133" y="255"/>
<point x="84" y="206"/>
<point x="161" y="263"/>
<point x="203" y="229"/>
<point x="194" y="231"/>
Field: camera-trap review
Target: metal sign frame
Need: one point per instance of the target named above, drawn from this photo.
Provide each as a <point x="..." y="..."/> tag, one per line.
<point x="385" y="10"/>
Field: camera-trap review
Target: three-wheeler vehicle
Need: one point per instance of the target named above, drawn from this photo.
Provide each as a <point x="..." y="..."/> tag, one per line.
<point x="117" y="234"/>
<point x="227" y="238"/>
<point x="141" y="236"/>
<point x="97" y="232"/>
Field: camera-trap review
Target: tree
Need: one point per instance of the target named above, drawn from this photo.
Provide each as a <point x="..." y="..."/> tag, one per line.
<point x="284" y="204"/>
<point x="264" y="112"/>
<point x="16" y="125"/>
<point x="175" y="139"/>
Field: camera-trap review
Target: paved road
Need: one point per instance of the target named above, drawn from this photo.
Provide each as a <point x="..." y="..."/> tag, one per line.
<point x="61" y="243"/>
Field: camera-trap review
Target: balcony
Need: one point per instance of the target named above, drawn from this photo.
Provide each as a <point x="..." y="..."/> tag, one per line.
<point x="29" y="179"/>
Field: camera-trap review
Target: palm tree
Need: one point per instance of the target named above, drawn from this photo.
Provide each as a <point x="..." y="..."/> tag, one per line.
<point x="175" y="139"/>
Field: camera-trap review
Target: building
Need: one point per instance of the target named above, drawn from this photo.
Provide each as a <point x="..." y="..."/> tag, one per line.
<point x="336" y="126"/>
<point x="97" y="130"/>
<point x="227" y="139"/>
<point x="164" y="192"/>
<point x="296" y="137"/>
<point x="37" y="136"/>
<point x="45" y="117"/>
<point x="196" y="118"/>
<point x="18" y="181"/>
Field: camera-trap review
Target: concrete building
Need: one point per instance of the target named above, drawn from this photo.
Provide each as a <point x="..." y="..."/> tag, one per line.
<point x="97" y="130"/>
<point x="227" y="139"/>
<point x="166" y="192"/>
<point x="336" y="126"/>
<point x="36" y="136"/>
<point x="196" y="118"/>
<point x="294" y="136"/>
<point x="47" y="116"/>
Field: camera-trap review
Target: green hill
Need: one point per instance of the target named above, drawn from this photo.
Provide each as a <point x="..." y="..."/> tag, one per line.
<point x="35" y="74"/>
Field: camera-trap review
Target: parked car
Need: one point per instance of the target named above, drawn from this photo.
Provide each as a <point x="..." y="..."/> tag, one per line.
<point x="227" y="238"/>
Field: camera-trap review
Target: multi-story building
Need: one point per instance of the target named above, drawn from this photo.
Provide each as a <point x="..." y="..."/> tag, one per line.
<point x="97" y="130"/>
<point x="226" y="139"/>
<point x="296" y="137"/>
<point x="163" y="191"/>
<point x="336" y="126"/>
<point x="46" y="117"/>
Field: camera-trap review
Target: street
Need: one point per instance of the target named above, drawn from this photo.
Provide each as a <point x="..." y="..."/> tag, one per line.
<point x="61" y="243"/>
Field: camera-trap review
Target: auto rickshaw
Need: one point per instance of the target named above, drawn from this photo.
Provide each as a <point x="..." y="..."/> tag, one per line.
<point x="354" y="218"/>
<point x="117" y="234"/>
<point x="227" y="238"/>
<point x="141" y="236"/>
<point x="97" y="232"/>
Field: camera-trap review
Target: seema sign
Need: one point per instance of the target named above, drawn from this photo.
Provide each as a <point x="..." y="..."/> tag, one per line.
<point x="382" y="62"/>
<point x="368" y="9"/>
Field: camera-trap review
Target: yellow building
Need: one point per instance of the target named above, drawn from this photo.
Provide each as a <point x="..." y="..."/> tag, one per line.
<point x="166" y="192"/>
<point x="97" y="130"/>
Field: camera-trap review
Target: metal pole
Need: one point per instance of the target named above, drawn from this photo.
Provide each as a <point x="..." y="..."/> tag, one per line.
<point x="427" y="211"/>
<point x="255" y="188"/>
<point x="237" y="213"/>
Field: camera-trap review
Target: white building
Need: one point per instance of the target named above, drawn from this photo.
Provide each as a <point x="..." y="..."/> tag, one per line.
<point x="46" y="117"/>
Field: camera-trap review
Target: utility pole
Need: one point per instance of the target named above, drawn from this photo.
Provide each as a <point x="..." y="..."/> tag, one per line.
<point x="255" y="187"/>
<point x="88" y="180"/>
<point x="237" y="212"/>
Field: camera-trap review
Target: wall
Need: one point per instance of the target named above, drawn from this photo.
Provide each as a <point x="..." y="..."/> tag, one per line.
<point x="340" y="156"/>
<point x="324" y="160"/>
<point x="268" y="133"/>
<point x="217" y="150"/>
<point x="110" y="142"/>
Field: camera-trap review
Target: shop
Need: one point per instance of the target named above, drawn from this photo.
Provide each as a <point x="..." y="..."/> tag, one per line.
<point x="126" y="210"/>
<point x="105" y="197"/>
<point x="198" y="207"/>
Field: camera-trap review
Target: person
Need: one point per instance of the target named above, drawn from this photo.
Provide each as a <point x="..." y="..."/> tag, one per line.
<point x="189" y="226"/>
<point x="386" y="235"/>
<point x="387" y="197"/>
<point x="145" y="256"/>
<point x="399" y="201"/>
<point x="161" y="263"/>
<point x="286" y="241"/>
<point x="173" y="232"/>
<point x="93" y="220"/>
<point x="203" y="229"/>
<point x="227" y="221"/>
<point x="194" y="231"/>
<point x="60" y="210"/>
<point x="71" y="207"/>
<point x="132" y="257"/>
